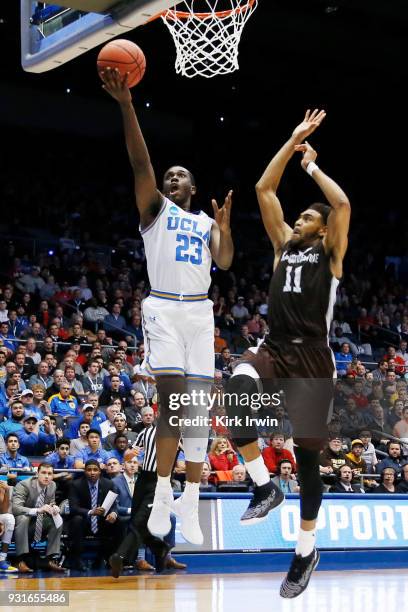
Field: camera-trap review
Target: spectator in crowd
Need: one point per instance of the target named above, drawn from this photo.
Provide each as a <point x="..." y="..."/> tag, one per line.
<point x="148" y="417"/>
<point x="403" y="353"/>
<point x="31" y="351"/>
<point x="125" y="484"/>
<point x="15" y="422"/>
<point x="12" y="458"/>
<point x="380" y="373"/>
<point x="108" y="426"/>
<point x="387" y="481"/>
<point x="134" y="331"/>
<point x="25" y="365"/>
<point x="61" y="459"/>
<point x="87" y="517"/>
<point x="94" y="315"/>
<point x="78" y="444"/>
<point x="93" y="399"/>
<point x="120" y="446"/>
<point x="77" y="304"/>
<point x="3" y="371"/>
<point x="88" y="416"/>
<point x="8" y="396"/>
<point x="58" y="378"/>
<point x="224" y="362"/>
<point x="42" y="377"/>
<point x="133" y="413"/>
<point x="114" y="323"/>
<point x="356" y="462"/>
<point x="338" y="339"/>
<point x="120" y="424"/>
<point x="344" y="482"/>
<point x="284" y="425"/>
<point x="343" y="359"/>
<point x="143" y="383"/>
<point x="7" y="337"/>
<point x="3" y="311"/>
<point x="352" y="419"/>
<point x="219" y="342"/>
<point x="33" y="441"/>
<point x="284" y="479"/>
<point x="113" y="467"/>
<point x="27" y="399"/>
<point x="395" y="415"/>
<point x="239" y="311"/>
<point x="116" y="391"/>
<point x="7" y="523"/>
<point x="399" y="361"/>
<point x="76" y="385"/>
<point x="369" y="454"/>
<point x="332" y="457"/>
<point x="401" y="428"/>
<point x="222" y="457"/>
<point x="92" y="381"/>
<point x="394" y="459"/>
<point x="275" y="453"/>
<point x="34" y="508"/>
<point x="402" y="487"/>
<point x="93" y="451"/>
<point x="39" y="405"/>
<point x="359" y="396"/>
<point x="31" y="282"/>
<point x="205" y="485"/>
<point x="239" y="473"/>
<point x="244" y="340"/>
<point x="375" y="418"/>
<point x="64" y="404"/>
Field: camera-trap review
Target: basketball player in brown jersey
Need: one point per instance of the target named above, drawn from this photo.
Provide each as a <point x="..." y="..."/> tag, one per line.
<point x="295" y="354"/>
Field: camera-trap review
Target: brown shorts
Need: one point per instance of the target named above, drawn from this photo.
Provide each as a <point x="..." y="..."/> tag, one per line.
<point x="304" y="372"/>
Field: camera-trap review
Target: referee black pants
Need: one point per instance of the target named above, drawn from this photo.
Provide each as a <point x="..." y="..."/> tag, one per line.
<point x="141" y="508"/>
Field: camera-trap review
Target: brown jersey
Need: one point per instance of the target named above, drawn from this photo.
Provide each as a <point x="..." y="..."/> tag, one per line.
<point x="302" y="294"/>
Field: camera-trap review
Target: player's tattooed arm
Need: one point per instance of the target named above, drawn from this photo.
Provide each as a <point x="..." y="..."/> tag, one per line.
<point x="148" y="197"/>
<point x="338" y="222"/>
<point x="221" y="245"/>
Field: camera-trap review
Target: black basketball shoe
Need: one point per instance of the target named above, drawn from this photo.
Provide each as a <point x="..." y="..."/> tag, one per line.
<point x="266" y="498"/>
<point x="299" y="574"/>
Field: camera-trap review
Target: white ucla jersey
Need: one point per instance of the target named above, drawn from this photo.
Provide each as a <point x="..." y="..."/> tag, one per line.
<point x="177" y="247"/>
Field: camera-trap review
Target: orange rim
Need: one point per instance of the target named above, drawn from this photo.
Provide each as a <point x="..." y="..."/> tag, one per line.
<point x="173" y="15"/>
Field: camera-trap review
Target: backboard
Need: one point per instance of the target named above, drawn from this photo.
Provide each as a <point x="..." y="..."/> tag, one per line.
<point x="52" y="34"/>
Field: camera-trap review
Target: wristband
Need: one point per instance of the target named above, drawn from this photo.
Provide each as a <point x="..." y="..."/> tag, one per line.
<point x="311" y="167"/>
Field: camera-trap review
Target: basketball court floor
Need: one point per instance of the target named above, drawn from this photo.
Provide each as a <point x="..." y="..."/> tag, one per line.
<point x="372" y="591"/>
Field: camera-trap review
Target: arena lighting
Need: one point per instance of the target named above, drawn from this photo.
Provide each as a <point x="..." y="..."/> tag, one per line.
<point x="50" y="252"/>
<point x="147" y="104"/>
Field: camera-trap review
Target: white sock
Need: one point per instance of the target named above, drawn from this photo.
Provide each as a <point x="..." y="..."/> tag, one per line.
<point x="3" y="556"/>
<point x="191" y="491"/>
<point x="163" y="482"/>
<point x="306" y="542"/>
<point x="258" y="471"/>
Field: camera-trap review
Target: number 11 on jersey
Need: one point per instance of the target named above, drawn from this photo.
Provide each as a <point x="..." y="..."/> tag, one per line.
<point x="292" y="282"/>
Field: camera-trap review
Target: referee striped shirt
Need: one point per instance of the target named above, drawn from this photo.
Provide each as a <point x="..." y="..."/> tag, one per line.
<point x="147" y="440"/>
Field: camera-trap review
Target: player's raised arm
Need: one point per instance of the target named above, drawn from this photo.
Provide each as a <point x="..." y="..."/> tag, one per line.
<point x="221" y="245"/>
<point x="148" y="198"/>
<point x="271" y="210"/>
<point x="335" y="241"/>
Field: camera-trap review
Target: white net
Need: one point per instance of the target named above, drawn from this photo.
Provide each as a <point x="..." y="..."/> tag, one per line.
<point x="206" y="34"/>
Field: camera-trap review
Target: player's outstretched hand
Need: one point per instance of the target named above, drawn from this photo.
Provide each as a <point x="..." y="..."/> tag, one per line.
<point x="116" y="85"/>
<point x="308" y="125"/>
<point x="223" y="215"/>
<point x="309" y="154"/>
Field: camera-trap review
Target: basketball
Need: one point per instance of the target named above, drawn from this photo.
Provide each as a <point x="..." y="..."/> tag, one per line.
<point x="124" y="55"/>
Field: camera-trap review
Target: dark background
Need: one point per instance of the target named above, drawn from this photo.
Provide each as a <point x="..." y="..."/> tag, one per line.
<point x="63" y="152"/>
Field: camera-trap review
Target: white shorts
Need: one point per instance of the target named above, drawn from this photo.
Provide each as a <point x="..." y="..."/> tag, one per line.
<point x="179" y="338"/>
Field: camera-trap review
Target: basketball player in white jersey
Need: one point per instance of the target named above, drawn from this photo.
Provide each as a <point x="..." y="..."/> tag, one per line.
<point x="177" y="316"/>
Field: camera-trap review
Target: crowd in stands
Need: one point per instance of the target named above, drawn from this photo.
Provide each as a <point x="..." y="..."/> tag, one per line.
<point x="74" y="394"/>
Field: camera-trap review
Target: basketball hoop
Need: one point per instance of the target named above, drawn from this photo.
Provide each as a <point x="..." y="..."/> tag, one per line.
<point x="207" y="42"/>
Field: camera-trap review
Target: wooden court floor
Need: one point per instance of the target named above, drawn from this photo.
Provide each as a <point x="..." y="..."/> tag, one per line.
<point x="372" y="591"/>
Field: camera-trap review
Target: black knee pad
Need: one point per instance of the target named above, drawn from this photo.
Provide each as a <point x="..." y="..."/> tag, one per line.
<point x="239" y="388"/>
<point x="311" y="486"/>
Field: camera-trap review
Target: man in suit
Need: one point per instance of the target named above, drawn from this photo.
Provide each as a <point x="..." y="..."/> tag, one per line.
<point x="125" y="484"/>
<point x="284" y="478"/>
<point x="343" y="484"/>
<point x="34" y="509"/>
<point x="87" y="517"/>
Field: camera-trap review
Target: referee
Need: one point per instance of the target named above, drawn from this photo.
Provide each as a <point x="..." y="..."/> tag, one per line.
<point x="141" y="508"/>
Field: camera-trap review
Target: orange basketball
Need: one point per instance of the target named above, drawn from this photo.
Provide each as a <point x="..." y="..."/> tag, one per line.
<point x="126" y="57"/>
